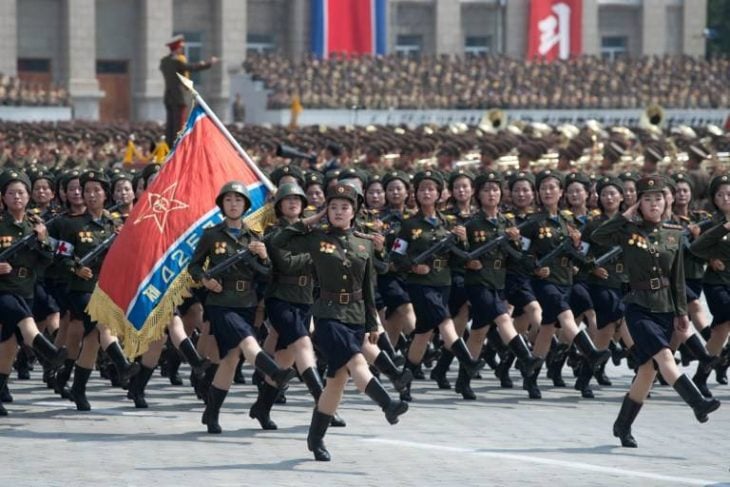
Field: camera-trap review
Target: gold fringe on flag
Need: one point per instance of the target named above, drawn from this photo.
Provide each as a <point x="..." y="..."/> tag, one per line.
<point x="106" y="312"/>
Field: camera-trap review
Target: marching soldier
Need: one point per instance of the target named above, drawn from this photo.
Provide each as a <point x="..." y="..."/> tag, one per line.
<point x="230" y="306"/>
<point x="345" y="310"/>
<point x="656" y="306"/>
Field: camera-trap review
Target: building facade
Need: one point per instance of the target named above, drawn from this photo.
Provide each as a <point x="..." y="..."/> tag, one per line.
<point x="107" y="52"/>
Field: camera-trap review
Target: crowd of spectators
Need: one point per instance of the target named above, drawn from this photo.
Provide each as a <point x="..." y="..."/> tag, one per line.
<point x="483" y="82"/>
<point x="16" y="92"/>
<point x="84" y="144"/>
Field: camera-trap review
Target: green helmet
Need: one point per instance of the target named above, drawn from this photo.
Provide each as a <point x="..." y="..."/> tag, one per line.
<point x="290" y="189"/>
<point x="233" y="187"/>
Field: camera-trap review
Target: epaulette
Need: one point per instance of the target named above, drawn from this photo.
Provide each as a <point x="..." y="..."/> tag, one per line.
<point x="566" y="213"/>
<point x="594" y="213"/>
<point x="672" y="226"/>
<point x="115" y="215"/>
<point x="509" y="216"/>
<point x="34" y="211"/>
<point x="450" y="218"/>
<point x="323" y="226"/>
<point x="406" y="216"/>
<point x="310" y="208"/>
<point x="685" y="218"/>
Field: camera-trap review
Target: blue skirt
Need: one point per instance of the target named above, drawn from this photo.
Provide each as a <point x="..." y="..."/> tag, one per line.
<point x="393" y="292"/>
<point x="608" y="303"/>
<point x="44" y="304"/>
<point x="519" y="292"/>
<point x="718" y="300"/>
<point x="580" y="298"/>
<point x="431" y="305"/>
<point x="290" y="320"/>
<point x="337" y="342"/>
<point x="78" y="301"/>
<point x="486" y="305"/>
<point x="13" y="310"/>
<point x="230" y="326"/>
<point x="651" y="332"/>
<point x="553" y="298"/>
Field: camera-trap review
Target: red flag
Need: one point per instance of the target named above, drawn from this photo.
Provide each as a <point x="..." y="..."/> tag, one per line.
<point x="555" y="30"/>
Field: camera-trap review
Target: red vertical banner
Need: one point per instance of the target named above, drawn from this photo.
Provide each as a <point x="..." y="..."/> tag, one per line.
<point x="555" y="30"/>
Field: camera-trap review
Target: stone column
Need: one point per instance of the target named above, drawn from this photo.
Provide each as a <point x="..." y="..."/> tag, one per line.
<point x="155" y="21"/>
<point x="298" y="17"/>
<point x="80" y="68"/>
<point x="229" y="44"/>
<point x="694" y="19"/>
<point x="9" y="37"/>
<point x="591" y="34"/>
<point x="653" y="27"/>
<point x="517" y="15"/>
<point x="449" y="37"/>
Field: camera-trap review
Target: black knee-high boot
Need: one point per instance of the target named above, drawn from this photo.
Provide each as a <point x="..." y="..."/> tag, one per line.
<point x="594" y="356"/>
<point x="530" y="385"/>
<point x="204" y="384"/>
<point x="137" y="385"/>
<point x="125" y="369"/>
<point x="438" y="373"/>
<point x="386" y="346"/>
<point x="461" y="352"/>
<point x="463" y="385"/>
<point x="62" y="376"/>
<point x="314" y="384"/>
<point x="700" y="379"/>
<point x="238" y="377"/>
<point x="267" y="365"/>
<point x="48" y="351"/>
<point x="692" y="396"/>
<point x="698" y="350"/>
<point x="401" y="379"/>
<point x="3" y="384"/>
<point x="391" y="407"/>
<point x="78" y="389"/>
<point x="528" y="362"/>
<point x="213" y="408"/>
<point x="555" y="363"/>
<point x="261" y="409"/>
<point x="315" y="438"/>
<point x="22" y="363"/>
<point x="172" y="361"/>
<point x="626" y="416"/>
<point x="583" y="380"/>
<point x="198" y="363"/>
<point x="502" y="370"/>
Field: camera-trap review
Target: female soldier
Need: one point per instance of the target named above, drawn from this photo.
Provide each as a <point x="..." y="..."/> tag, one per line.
<point x="84" y="234"/>
<point x="694" y="268"/>
<point x="57" y="278"/>
<point x="553" y="280"/>
<point x="230" y="306"/>
<point x="526" y="311"/>
<point x="314" y="187"/>
<point x="656" y="304"/>
<point x="459" y="211"/>
<point x="428" y="282"/>
<point x="123" y="193"/>
<point x="399" y="315"/>
<point x="629" y="178"/>
<point x="577" y="190"/>
<point x="606" y="282"/>
<point x="485" y="278"/>
<point x="17" y="277"/>
<point x="713" y="247"/>
<point x="288" y="303"/>
<point x="345" y="310"/>
<point x="374" y="193"/>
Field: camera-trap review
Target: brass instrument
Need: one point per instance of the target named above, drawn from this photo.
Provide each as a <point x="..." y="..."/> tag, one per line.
<point x="653" y="117"/>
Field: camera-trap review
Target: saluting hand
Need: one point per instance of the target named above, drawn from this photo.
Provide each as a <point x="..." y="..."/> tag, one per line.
<point x="632" y="211"/>
<point x="5" y="268"/>
<point x="259" y="249"/>
<point x="212" y="285"/>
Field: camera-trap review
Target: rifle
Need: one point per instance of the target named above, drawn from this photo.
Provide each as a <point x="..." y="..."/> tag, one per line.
<point x="608" y="256"/>
<point x="96" y="251"/>
<point x="443" y="244"/>
<point x="26" y="240"/>
<point x="686" y="234"/>
<point x="564" y="248"/>
<point x="489" y="246"/>
<point x="232" y="260"/>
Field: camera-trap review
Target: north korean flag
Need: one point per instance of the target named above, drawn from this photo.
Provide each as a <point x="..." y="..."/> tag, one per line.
<point x="349" y="27"/>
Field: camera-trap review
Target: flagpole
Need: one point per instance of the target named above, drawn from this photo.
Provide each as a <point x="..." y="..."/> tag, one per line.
<point x="187" y="83"/>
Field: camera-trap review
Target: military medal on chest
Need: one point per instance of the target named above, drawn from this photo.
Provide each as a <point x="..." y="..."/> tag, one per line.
<point x="545" y="232"/>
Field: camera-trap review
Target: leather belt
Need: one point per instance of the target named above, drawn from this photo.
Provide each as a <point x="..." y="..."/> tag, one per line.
<point x="20" y="272"/>
<point x="239" y="286"/>
<point x="439" y="264"/>
<point x="301" y="281"/>
<point x="651" y="285"/>
<point x="341" y="298"/>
